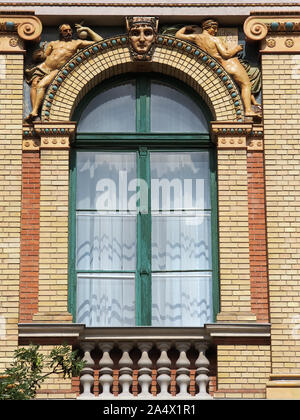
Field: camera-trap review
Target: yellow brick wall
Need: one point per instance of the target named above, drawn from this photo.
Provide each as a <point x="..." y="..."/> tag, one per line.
<point x="53" y="254"/>
<point x="55" y="386"/>
<point x="243" y="371"/>
<point x="11" y="109"/>
<point x="234" y="262"/>
<point x="281" y="93"/>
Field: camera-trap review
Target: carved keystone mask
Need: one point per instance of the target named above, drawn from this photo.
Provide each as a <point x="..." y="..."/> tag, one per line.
<point x="142" y="32"/>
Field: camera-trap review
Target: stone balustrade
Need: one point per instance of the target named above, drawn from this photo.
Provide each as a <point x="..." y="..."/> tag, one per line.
<point x="145" y="362"/>
<point x="171" y="355"/>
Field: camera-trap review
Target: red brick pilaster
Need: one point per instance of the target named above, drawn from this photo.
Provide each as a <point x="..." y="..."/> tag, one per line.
<point x="257" y="236"/>
<point x="30" y="214"/>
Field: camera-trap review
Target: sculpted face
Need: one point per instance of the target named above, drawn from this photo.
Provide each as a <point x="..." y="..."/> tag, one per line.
<point x="212" y="29"/>
<point x="66" y="32"/>
<point x="141" y="37"/>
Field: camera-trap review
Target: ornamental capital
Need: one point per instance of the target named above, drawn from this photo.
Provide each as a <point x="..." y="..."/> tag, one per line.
<point x="16" y="28"/>
<point x="27" y="26"/>
<point x="48" y="135"/>
<point x="277" y="33"/>
<point x="234" y="135"/>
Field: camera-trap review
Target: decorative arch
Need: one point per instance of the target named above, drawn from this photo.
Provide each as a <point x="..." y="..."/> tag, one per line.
<point x="173" y="57"/>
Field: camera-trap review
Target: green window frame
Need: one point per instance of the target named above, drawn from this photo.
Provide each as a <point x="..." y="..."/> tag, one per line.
<point x="142" y="142"/>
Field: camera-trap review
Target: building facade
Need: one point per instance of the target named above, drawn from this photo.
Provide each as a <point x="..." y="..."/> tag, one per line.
<point x="150" y="195"/>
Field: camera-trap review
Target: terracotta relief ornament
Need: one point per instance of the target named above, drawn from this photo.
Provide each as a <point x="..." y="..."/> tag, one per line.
<point x="142" y="31"/>
<point x="48" y="61"/>
<point x="208" y="41"/>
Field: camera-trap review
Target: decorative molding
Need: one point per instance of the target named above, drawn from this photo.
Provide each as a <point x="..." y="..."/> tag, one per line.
<point x="232" y="135"/>
<point x="230" y="128"/>
<point x="255" y="141"/>
<point x="143" y="5"/>
<point x="10" y="43"/>
<point x="232" y="143"/>
<point x="54" y="135"/>
<point x="31" y="141"/>
<point x="281" y="43"/>
<point x="28" y="27"/>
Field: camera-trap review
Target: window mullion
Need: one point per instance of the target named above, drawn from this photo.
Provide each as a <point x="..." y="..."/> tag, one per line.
<point x="143" y="92"/>
<point x="143" y="275"/>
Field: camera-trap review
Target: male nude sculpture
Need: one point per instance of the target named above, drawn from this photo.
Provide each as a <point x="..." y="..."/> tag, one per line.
<point x="56" y="55"/>
<point x="213" y="45"/>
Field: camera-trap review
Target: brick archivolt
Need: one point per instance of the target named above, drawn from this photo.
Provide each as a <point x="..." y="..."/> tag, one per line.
<point x="172" y="56"/>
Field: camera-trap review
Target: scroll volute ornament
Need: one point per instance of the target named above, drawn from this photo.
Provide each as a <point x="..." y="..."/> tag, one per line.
<point x="255" y="29"/>
<point x="28" y="27"/>
<point x="15" y="29"/>
<point x="277" y="34"/>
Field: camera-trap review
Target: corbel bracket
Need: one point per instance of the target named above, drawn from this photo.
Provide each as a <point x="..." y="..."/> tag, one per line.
<point x="48" y="135"/>
<point x="234" y="135"/>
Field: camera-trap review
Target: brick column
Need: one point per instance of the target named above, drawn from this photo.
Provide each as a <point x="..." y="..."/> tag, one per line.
<point x="257" y="234"/>
<point x="30" y="216"/>
<point x="11" y="116"/>
<point x="234" y="260"/>
<point x="54" y="203"/>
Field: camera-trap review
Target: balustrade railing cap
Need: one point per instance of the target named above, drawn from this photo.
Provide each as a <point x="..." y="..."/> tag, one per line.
<point x="72" y="333"/>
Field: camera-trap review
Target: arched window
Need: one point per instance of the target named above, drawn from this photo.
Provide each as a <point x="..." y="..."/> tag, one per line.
<point x="143" y="242"/>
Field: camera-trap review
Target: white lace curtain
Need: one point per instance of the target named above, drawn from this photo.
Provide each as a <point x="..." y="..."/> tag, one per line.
<point x="107" y="239"/>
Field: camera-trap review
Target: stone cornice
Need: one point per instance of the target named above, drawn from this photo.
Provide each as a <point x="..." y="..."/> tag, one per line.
<point x="148" y="4"/>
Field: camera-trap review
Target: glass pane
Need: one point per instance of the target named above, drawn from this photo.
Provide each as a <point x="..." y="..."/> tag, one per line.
<point x="181" y="299"/>
<point x="106" y="242"/>
<point x="175" y="112"/>
<point x="181" y="242"/>
<point x="106" y="181"/>
<point x="113" y="110"/>
<point x="106" y="300"/>
<point x="180" y="180"/>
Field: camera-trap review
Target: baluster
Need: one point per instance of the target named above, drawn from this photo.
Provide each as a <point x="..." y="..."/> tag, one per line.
<point x="87" y="373"/>
<point x="163" y="371"/>
<point x="125" y="370"/>
<point x="106" y="371"/>
<point x="183" y="372"/>
<point x="145" y="372"/>
<point x="202" y="378"/>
